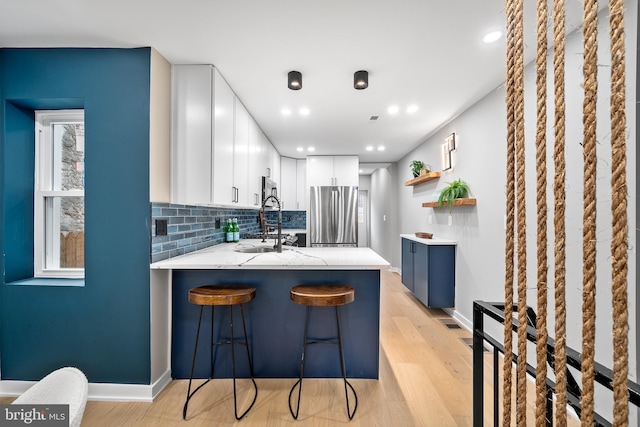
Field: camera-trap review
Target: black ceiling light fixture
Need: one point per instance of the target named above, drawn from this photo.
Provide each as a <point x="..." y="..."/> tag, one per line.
<point x="360" y="80"/>
<point x="294" y="80"/>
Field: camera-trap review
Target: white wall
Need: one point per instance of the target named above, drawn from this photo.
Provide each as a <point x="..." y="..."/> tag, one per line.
<point x="480" y="161"/>
<point x="384" y="214"/>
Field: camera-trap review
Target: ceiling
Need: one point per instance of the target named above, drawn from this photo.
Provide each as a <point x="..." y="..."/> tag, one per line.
<point x="427" y="53"/>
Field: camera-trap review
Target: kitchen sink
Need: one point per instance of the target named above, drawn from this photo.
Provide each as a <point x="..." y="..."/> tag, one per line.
<point x="257" y="250"/>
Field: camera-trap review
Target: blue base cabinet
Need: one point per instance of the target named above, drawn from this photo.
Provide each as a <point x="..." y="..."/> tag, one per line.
<point x="429" y="272"/>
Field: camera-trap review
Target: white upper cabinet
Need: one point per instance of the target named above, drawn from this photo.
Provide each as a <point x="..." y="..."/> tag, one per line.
<point x="273" y="163"/>
<point x="241" y="156"/>
<point x="218" y="151"/>
<point x="332" y="170"/>
<point x="224" y="129"/>
<point x="288" y="182"/>
<point x="302" y="189"/>
<point x="292" y="186"/>
<point x="256" y="163"/>
<point x="191" y="134"/>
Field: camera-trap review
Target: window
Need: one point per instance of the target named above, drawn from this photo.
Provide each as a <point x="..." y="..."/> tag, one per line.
<point x="59" y="194"/>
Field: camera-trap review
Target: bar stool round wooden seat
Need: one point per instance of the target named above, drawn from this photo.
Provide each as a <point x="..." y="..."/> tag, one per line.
<point x="222" y="295"/>
<point x="322" y="296"/>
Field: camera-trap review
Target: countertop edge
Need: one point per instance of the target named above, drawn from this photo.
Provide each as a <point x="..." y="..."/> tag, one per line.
<point x="268" y="267"/>
<point x="223" y="257"/>
<point x="435" y="241"/>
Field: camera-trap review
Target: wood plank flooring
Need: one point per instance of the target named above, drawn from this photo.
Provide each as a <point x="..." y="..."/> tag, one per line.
<point x="425" y="380"/>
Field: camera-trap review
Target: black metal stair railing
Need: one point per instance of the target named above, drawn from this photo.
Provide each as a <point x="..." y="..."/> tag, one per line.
<point x="495" y="311"/>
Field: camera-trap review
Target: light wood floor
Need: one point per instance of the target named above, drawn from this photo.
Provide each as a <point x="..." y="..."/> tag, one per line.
<point x="425" y="380"/>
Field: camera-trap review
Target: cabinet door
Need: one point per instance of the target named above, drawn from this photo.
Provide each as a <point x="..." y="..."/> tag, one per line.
<point x="256" y="163"/>
<point x="345" y="170"/>
<point x="442" y="277"/>
<point x="301" y="185"/>
<point x="268" y="156"/>
<point x="224" y="100"/>
<point x="319" y="170"/>
<point x="274" y="163"/>
<point x="407" y="263"/>
<point x="421" y="272"/>
<point x="191" y="137"/>
<point x="287" y="186"/>
<point x="241" y="155"/>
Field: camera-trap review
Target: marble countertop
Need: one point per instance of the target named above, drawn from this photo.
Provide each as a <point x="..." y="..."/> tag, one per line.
<point x="224" y="256"/>
<point x="432" y="241"/>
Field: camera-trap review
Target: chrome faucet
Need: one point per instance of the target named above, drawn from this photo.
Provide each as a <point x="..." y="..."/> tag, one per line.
<point x="278" y="245"/>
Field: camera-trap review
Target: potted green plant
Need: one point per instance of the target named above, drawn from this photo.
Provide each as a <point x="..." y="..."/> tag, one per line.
<point x="455" y="190"/>
<point x="417" y="166"/>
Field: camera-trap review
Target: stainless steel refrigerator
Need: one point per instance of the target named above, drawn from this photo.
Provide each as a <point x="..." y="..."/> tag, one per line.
<point x="333" y="216"/>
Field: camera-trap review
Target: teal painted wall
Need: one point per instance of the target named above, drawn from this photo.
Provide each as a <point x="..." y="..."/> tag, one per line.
<point x="103" y="327"/>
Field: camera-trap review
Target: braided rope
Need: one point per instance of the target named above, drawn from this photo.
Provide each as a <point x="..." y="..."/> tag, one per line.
<point x="559" y="214"/>
<point x="541" y="202"/>
<point x="619" y="244"/>
<point x="510" y="223"/>
<point x="590" y="71"/>
<point x="521" y="400"/>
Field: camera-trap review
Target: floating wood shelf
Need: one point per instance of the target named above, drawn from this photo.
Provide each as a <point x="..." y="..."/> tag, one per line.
<point x="423" y="178"/>
<point x="456" y="202"/>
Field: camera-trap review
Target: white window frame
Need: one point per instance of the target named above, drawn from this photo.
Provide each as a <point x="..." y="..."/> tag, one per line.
<point x="43" y="193"/>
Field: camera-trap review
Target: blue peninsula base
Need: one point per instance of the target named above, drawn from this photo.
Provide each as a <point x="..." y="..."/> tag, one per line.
<point x="275" y="325"/>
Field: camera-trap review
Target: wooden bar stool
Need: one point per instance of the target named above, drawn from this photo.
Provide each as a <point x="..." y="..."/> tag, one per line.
<point x="222" y="295"/>
<point x="322" y="296"/>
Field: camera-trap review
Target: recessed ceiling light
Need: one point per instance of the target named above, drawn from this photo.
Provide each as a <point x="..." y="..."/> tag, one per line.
<point x="381" y="148"/>
<point x="299" y="149"/>
<point x="304" y="111"/>
<point x="369" y="148"/>
<point x="311" y="149"/>
<point x="493" y="36"/>
<point x="412" y="109"/>
<point x="393" y="109"/>
<point x="360" y="171"/>
<point x="285" y="112"/>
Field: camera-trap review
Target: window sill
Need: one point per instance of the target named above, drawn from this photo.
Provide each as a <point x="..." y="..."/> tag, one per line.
<point x="42" y="281"/>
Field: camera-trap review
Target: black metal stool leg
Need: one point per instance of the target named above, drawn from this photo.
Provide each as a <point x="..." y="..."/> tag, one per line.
<point x="233" y="364"/>
<point x="344" y="371"/>
<point x="193" y="364"/>
<point x="212" y="344"/>
<point x="299" y="382"/>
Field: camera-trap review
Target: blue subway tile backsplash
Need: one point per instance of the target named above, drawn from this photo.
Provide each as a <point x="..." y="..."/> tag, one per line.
<point x="192" y="228"/>
<point x="290" y="219"/>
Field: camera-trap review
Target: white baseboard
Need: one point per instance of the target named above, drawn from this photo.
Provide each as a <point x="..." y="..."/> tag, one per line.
<point x="160" y="384"/>
<point x="101" y="391"/>
<point x="395" y="270"/>
<point x="464" y="322"/>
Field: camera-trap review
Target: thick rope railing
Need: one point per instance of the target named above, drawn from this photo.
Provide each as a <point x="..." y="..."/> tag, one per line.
<point x="515" y="206"/>
<point x="521" y="217"/>
<point x="590" y="72"/>
<point x="510" y="220"/>
<point x="559" y="213"/>
<point x="541" y="203"/>
<point x="619" y="244"/>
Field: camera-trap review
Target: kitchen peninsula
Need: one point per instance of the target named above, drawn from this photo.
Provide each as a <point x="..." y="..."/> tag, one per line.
<point x="274" y="323"/>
